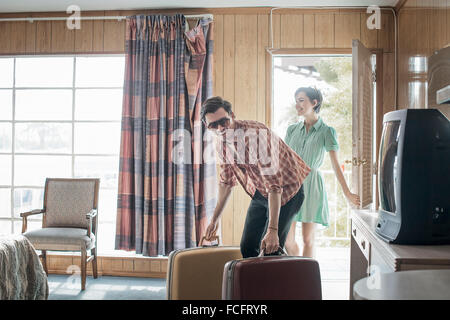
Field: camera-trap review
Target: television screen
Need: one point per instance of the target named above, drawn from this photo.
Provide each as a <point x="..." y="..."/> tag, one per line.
<point x="388" y="165"/>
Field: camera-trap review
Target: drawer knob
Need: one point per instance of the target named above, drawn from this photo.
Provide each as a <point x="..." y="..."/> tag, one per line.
<point x="354" y="232"/>
<point x="363" y="244"/>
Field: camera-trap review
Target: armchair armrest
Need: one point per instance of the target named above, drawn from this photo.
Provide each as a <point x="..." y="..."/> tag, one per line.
<point x="25" y="215"/>
<point x="90" y="216"/>
<point x="32" y="212"/>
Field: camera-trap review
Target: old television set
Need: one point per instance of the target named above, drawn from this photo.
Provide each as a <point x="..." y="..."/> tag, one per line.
<point x="414" y="178"/>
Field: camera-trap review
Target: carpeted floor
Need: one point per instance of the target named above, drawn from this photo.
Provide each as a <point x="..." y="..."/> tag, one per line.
<point x="334" y="269"/>
<point x="62" y="287"/>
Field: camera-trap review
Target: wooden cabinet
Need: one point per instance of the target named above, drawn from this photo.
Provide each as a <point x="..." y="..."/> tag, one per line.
<point x="361" y="241"/>
<point x="370" y="254"/>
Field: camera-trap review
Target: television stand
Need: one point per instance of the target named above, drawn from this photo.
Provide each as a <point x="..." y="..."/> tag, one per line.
<point x="369" y="254"/>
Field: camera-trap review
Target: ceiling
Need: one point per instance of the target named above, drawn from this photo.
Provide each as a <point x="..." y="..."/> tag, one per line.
<point x="88" y="5"/>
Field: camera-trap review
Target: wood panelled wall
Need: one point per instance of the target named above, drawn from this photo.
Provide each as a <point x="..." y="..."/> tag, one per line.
<point x="241" y="63"/>
<point x="53" y="37"/>
<point x="138" y="266"/>
<point x="424" y="27"/>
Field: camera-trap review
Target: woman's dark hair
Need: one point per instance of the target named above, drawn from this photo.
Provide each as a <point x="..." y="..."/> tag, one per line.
<point x="312" y="94"/>
<point x="213" y="104"/>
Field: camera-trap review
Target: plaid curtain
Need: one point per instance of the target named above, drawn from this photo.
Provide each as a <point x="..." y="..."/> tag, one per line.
<point x="166" y="190"/>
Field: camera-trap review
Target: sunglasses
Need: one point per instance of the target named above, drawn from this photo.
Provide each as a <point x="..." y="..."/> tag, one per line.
<point x="223" y="122"/>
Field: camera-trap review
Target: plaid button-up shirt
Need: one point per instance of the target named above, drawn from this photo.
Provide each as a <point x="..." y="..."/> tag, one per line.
<point x="256" y="157"/>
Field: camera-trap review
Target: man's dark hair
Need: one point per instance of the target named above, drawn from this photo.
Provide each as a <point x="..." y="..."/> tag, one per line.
<point x="213" y="104"/>
<point x="312" y="94"/>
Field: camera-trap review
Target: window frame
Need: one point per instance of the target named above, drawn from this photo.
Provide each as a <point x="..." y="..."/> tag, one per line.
<point x="12" y="186"/>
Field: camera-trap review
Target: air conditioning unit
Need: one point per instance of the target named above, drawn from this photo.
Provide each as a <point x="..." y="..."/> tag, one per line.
<point x="443" y="95"/>
<point x="439" y="78"/>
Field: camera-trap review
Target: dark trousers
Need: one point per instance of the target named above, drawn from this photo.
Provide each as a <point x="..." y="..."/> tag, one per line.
<point x="257" y="219"/>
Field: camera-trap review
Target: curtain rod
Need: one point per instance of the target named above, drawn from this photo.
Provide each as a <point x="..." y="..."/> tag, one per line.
<point x="31" y="19"/>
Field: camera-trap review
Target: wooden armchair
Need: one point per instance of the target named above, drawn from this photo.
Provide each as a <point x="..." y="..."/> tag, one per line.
<point x="69" y="221"/>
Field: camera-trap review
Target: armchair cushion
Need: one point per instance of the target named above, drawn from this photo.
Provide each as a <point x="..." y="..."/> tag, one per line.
<point x="68" y="202"/>
<point x="60" y="239"/>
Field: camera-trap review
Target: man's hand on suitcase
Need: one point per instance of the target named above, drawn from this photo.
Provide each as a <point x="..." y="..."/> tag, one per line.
<point x="211" y="229"/>
<point x="270" y="242"/>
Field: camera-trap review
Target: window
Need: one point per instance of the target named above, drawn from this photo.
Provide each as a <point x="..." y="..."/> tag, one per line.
<point x="59" y="117"/>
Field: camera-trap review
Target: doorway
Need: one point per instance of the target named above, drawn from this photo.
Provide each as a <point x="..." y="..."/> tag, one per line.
<point x="332" y="75"/>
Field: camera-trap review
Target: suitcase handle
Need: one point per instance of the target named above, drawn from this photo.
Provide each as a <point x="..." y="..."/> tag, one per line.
<point x="279" y="252"/>
<point x="213" y="238"/>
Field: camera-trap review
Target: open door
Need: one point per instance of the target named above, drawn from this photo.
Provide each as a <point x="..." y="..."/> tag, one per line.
<point x="363" y="79"/>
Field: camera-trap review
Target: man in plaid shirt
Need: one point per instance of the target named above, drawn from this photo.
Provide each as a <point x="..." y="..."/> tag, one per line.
<point x="269" y="171"/>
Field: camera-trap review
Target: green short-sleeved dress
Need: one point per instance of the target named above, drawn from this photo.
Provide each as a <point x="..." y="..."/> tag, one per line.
<point x="311" y="147"/>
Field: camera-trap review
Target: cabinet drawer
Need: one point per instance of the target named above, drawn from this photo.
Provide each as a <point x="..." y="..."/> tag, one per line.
<point x="361" y="240"/>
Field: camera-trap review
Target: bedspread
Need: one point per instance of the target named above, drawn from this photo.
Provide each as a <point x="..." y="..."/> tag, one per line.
<point x="22" y="276"/>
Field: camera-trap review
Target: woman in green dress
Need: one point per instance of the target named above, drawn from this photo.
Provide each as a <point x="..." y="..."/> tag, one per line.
<point x="311" y="138"/>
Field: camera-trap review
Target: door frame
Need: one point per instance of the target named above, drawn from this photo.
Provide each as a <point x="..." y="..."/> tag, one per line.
<point x="325" y="51"/>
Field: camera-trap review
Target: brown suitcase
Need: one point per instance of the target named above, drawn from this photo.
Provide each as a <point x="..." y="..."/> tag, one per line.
<point x="196" y="273"/>
<point x="272" y="278"/>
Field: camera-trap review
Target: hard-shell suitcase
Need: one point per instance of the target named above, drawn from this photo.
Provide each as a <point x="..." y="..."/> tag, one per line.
<point x="272" y="278"/>
<point x="196" y="273"/>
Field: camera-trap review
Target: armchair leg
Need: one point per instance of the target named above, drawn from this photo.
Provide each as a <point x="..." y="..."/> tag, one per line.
<point x="94" y="262"/>
<point x="44" y="261"/>
<point x="83" y="268"/>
